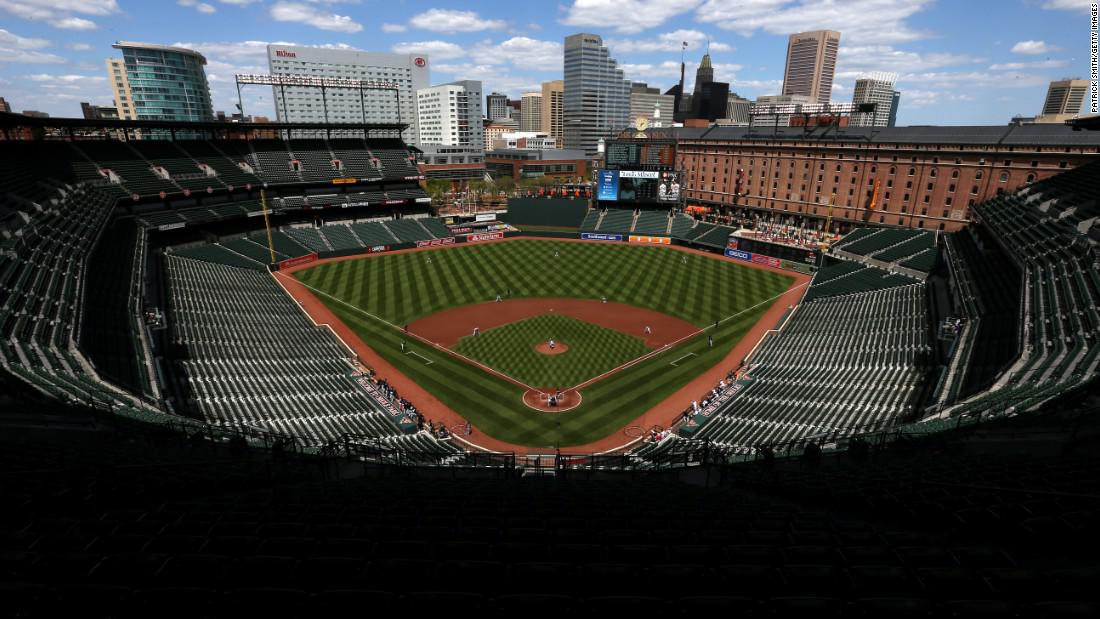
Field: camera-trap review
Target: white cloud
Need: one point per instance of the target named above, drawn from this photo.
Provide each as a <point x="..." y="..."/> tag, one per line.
<point x="437" y="50"/>
<point x="667" y="42"/>
<point x="523" y="52"/>
<point x="74" y="23"/>
<point x="446" y="20"/>
<point x="393" y="28"/>
<point x="239" y="2"/>
<point x="58" y="13"/>
<point x="79" y="47"/>
<point x="1038" y="64"/>
<point x="625" y="16"/>
<point x="306" y="14"/>
<point x="26" y="56"/>
<point x="494" y="78"/>
<point x="50" y="78"/>
<point x="1066" y="5"/>
<point x="668" y="72"/>
<point x="201" y="7"/>
<point x="856" y="60"/>
<point x="862" y="21"/>
<point x="1033" y="48"/>
<point x="11" y="40"/>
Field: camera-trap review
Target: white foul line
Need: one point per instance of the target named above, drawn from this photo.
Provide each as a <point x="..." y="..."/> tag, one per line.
<point x="690" y="354"/>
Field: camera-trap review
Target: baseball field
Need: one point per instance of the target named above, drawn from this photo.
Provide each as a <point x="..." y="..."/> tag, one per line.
<point x="650" y="309"/>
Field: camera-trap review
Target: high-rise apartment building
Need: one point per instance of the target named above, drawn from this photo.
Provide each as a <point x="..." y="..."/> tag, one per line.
<point x="450" y="114"/>
<point x="596" y="98"/>
<point x="4" y="107"/>
<point x="407" y="72"/>
<point x="531" y="105"/>
<point x="811" y="64"/>
<point x="158" y="82"/>
<point x="1064" y="100"/>
<point x="650" y="104"/>
<point x="877" y="89"/>
<point x="496" y="106"/>
<point x="552" y="107"/>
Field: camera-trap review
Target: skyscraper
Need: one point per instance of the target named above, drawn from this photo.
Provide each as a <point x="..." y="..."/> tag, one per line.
<point x="811" y="64"/>
<point x="876" y="88"/>
<point x="345" y="105"/>
<point x="895" y="101"/>
<point x="1064" y="99"/>
<point x="709" y="99"/>
<point x="531" y="120"/>
<point x="597" y="98"/>
<point x="496" y="106"/>
<point x="552" y="107"/>
<point x="649" y="103"/>
<point x="158" y="82"/>
<point x="450" y="114"/>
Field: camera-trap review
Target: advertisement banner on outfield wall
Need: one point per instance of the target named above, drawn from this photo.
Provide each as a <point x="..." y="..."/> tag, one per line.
<point x="376" y="249"/>
<point x="293" y="262"/>
<point x="766" y="260"/>
<point x="653" y="240"/>
<point x="490" y="236"/>
<point x="485" y="217"/>
<point x="436" y="242"/>
<point x="596" y="236"/>
<point x="739" y="255"/>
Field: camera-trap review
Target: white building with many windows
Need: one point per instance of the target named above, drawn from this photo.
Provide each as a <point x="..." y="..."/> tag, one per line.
<point x="450" y="114"/>
<point x="407" y="72"/>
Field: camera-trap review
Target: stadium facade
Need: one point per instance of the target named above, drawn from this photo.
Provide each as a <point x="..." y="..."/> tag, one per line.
<point x="309" y="104"/>
<point x="927" y="177"/>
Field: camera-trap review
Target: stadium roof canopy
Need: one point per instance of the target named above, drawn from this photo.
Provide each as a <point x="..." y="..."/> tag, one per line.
<point x="10" y="122"/>
<point x="1015" y="135"/>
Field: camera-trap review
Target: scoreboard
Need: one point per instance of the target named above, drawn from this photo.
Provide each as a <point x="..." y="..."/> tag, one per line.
<point x="640" y="155"/>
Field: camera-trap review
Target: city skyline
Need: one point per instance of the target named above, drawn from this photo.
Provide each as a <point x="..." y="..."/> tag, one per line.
<point x="955" y="65"/>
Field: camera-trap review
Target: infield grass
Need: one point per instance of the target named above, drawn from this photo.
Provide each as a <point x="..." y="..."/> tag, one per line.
<point x="592" y="351"/>
<point x="400" y="288"/>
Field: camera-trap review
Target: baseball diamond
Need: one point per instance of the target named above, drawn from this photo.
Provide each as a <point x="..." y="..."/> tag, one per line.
<point x="378" y="296"/>
<point x="593" y="350"/>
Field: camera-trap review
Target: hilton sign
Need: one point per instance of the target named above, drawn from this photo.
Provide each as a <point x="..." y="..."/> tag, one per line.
<point x="282" y="54"/>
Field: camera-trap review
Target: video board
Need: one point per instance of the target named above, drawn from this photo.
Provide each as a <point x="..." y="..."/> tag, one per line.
<point x="637" y="186"/>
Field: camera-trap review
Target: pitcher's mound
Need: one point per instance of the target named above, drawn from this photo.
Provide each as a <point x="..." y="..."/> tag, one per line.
<point x="544" y="348"/>
<point x="540" y="400"/>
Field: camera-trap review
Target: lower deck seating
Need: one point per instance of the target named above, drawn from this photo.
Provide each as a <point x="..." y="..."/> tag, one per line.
<point x="253" y="359"/>
<point x="840" y="366"/>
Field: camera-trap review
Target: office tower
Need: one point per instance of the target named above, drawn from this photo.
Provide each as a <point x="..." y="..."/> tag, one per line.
<point x="597" y="98"/>
<point x="1064" y="99"/>
<point x="895" y="101"/>
<point x="709" y="99"/>
<point x="531" y="119"/>
<point x="811" y="64"/>
<point x="4" y="107"/>
<point x="552" y="107"/>
<point x="158" y="82"/>
<point x="496" y="107"/>
<point x="737" y="110"/>
<point x="408" y="72"/>
<point x="649" y="103"/>
<point x="877" y="89"/>
<point x="450" y="114"/>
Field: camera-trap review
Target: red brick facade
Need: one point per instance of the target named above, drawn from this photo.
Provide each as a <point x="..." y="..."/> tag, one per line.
<point x="929" y="186"/>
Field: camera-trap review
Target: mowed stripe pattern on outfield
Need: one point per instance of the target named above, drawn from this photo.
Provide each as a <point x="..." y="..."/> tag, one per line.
<point x="494" y="405"/>
<point x="510" y="349"/>
<point x="401" y="288"/>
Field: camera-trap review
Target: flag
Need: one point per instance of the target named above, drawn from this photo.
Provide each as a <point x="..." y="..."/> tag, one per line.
<point x="685" y="44"/>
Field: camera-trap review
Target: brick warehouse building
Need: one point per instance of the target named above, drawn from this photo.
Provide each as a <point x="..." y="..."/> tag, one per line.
<point x="928" y="176"/>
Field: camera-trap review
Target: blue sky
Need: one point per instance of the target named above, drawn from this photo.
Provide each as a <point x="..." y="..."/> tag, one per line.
<point x="960" y="62"/>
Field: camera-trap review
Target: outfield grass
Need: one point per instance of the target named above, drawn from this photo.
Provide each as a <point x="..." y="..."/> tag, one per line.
<point x="400" y="288"/>
<point x="593" y="350"/>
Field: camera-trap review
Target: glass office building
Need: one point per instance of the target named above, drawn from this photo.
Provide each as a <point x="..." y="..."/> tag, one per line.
<point x="158" y="82"/>
<point x="597" y="98"/>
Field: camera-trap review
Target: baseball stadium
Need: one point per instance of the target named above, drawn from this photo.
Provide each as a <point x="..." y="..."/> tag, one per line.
<point x="257" y="368"/>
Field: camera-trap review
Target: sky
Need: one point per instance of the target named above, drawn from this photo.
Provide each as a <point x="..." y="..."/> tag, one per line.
<point x="959" y="62"/>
